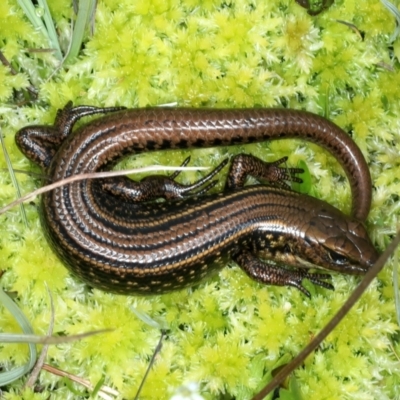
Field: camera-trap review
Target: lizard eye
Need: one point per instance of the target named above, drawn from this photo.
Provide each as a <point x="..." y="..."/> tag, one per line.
<point x="337" y="258"/>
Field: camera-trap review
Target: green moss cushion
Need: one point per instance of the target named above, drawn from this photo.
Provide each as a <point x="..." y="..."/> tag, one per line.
<point x="226" y="335"/>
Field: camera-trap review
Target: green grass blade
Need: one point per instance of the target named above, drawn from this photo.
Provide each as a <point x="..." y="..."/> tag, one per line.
<point x="47" y="27"/>
<point x="394" y="10"/>
<point x="14" y="374"/>
<point x="51" y="30"/>
<point x="396" y="288"/>
<point x="85" y="14"/>
<point x="13" y="179"/>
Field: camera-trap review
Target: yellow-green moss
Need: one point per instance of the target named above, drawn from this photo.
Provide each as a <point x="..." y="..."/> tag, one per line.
<point x="230" y="332"/>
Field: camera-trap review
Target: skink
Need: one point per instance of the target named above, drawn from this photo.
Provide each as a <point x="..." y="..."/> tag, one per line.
<point x="112" y="241"/>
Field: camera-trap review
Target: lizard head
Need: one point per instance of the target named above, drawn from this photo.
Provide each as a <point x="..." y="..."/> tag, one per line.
<point x="336" y="242"/>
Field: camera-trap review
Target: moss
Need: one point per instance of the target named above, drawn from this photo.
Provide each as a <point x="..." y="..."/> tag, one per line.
<point x="228" y="333"/>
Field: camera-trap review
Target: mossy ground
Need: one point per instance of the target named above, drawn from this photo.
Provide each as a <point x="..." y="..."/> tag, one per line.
<point x="228" y="333"/>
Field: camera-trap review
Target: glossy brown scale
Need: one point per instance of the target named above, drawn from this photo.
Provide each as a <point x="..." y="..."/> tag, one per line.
<point x="113" y="235"/>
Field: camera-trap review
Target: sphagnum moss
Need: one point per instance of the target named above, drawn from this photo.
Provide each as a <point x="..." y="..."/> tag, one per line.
<point x="228" y="333"/>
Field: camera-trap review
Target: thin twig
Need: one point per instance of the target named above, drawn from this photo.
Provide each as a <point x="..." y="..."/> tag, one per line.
<point x="84" y="382"/>
<point x="153" y="358"/>
<point x="30" y="173"/>
<point x="40" y="361"/>
<point x="80" y="177"/>
<point x="26" y="338"/>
